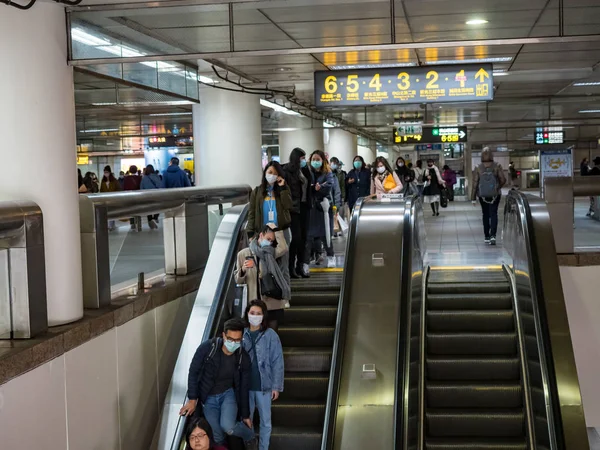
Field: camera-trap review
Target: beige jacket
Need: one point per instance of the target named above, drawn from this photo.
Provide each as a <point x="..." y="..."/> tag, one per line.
<point x="377" y="186"/>
<point x="249" y="278"/>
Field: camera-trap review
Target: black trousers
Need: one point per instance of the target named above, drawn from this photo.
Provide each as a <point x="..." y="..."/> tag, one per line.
<point x="152" y="217"/>
<point x="489" y="208"/>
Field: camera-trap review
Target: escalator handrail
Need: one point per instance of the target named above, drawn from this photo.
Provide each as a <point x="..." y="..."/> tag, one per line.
<point x="341" y="329"/>
<point x="559" y="373"/>
<point x="228" y="259"/>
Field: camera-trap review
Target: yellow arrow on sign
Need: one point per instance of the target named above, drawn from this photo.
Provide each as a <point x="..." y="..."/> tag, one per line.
<point x="482" y="75"/>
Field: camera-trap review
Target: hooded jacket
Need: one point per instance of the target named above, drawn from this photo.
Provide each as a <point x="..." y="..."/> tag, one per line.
<point x="174" y="177"/>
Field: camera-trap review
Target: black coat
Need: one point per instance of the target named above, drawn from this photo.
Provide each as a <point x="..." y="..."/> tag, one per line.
<point x="360" y="188"/>
<point x="204" y="371"/>
<point x="405" y="174"/>
<point x="294" y="183"/>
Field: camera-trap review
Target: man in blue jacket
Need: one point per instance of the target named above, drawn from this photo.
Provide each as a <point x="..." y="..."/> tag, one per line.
<point x="174" y="177"/>
<point x="219" y="385"/>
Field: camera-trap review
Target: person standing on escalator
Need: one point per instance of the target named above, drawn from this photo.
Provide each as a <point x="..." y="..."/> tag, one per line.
<point x="488" y="180"/>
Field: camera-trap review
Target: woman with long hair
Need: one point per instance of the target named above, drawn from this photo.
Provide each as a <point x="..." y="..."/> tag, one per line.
<point x="266" y="355"/>
<point x="321" y="212"/>
<point x="433" y="184"/>
<point x="109" y="184"/>
<point x="358" y="181"/>
<point x="91" y="183"/>
<point x="384" y="180"/>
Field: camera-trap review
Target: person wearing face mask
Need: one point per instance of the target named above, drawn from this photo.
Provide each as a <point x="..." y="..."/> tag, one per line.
<point x="219" y="386"/>
<point x="433" y="184"/>
<point x="358" y="181"/>
<point x="336" y="169"/>
<point x="406" y="176"/>
<point x="384" y="180"/>
<point x="419" y="172"/>
<point x="297" y="175"/>
<point x="321" y="212"/>
<point x="449" y="177"/>
<point x="260" y="260"/>
<point x="109" y="184"/>
<point x="266" y="355"/>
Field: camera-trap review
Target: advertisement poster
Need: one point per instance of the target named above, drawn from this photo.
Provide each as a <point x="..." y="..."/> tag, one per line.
<point x="555" y="163"/>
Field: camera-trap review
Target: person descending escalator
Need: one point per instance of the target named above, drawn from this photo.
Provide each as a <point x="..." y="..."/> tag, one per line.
<point x="219" y="386"/>
<point x="266" y="354"/>
<point x="198" y="435"/>
<point x="384" y="180"/>
<point x="321" y="211"/>
<point x="269" y="283"/>
<point x="433" y="185"/>
<point x="297" y="175"/>
<point x="358" y="182"/>
<point x="488" y="180"/>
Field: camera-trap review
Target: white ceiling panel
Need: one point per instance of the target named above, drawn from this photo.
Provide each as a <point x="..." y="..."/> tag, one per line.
<point x="340" y="28"/>
<point x="430" y="7"/>
<point x="467" y="35"/>
<point x="204" y="39"/>
<point x="183" y="20"/>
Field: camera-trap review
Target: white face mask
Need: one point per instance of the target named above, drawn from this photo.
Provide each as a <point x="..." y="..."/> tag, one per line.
<point x="400" y="164"/>
<point x="271" y="179"/>
<point x="255" y="320"/>
<point x="381" y="169"/>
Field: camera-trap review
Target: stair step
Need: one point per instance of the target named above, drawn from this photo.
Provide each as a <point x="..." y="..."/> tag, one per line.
<point x="307" y="359"/>
<point x="475" y="423"/>
<point x="476" y="444"/>
<point x="472" y="368"/>
<point x="471" y="343"/>
<point x="305" y="386"/>
<point x="474" y="395"/>
<point x="296" y="438"/>
<point x="295" y="414"/>
<point x="470" y="321"/>
<point x="477" y="277"/>
<point x="313" y="315"/>
<point x="468" y="288"/>
<point x="297" y="336"/>
<point x="466" y="301"/>
<point x="309" y="298"/>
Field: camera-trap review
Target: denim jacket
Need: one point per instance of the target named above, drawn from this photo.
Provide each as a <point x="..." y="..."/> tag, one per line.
<point x="270" y="359"/>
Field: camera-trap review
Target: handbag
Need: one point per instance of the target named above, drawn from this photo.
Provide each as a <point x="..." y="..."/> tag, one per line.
<point x="444" y="197"/>
<point x="268" y="285"/>
<point x="389" y="183"/>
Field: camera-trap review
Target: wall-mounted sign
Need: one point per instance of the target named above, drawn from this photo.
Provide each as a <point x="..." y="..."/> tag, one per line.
<point x="548" y="136"/>
<point x="432" y="135"/>
<point x="169" y="141"/>
<point x="555" y="163"/>
<point x="83" y="160"/>
<point x="424" y="147"/>
<point x="394" y="86"/>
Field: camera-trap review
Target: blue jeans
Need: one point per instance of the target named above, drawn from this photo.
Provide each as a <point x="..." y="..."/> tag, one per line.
<point x="420" y="188"/>
<point x="221" y="412"/>
<point x="262" y="401"/>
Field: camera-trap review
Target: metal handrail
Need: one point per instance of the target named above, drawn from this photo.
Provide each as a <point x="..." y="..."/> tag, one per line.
<point x="185" y="234"/>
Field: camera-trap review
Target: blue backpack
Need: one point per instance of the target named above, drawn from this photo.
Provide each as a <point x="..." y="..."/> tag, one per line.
<point x="488" y="181"/>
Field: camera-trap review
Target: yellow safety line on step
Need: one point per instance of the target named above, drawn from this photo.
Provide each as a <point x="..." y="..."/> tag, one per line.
<point x="456" y="268"/>
<point x="325" y="270"/>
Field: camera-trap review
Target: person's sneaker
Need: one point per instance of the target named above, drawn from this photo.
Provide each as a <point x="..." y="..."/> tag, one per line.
<point x="133" y="228"/>
<point x="320" y="260"/>
<point x="437" y="214"/>
<point x="251" y="445"/>
<point x="589" y="214"/>
<point x="331" y="262"/>
<point x="294" y="274"/>
<point x="487" y="240"/>
<point x="305" y="272"/>
<point x="153" y="224"/>
<point x="493" y="240"/>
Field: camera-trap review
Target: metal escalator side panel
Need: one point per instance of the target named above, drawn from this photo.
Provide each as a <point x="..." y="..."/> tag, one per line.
<point x="555" y="392"/>
<point x="212" y="301"/>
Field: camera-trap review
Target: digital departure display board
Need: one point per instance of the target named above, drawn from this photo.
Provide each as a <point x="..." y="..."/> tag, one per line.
<point x="433" y="135"/>
<point x="548" y="136"/>
<point x="395" y="86"/>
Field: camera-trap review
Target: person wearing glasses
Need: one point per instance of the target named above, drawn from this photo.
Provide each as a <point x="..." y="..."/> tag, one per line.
<point x="219" y="384"/>
<point x="199" y="435"/>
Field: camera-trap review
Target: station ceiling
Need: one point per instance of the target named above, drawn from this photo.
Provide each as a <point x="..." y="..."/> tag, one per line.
<point x="540" y="49"/>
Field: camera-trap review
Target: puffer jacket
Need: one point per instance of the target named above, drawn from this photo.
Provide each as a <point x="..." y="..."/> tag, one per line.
<point x="270" y="359"/>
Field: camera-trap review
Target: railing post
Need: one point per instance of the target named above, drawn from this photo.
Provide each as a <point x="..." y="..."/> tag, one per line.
<point x="5" y="321"/>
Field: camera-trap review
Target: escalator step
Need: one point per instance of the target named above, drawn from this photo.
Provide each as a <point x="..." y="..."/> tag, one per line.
<point x="309" y="298"/>
<point x="314" y="315"/>
<point x="475" y="301"/>
<point x="466" y="276"/>
<point x="303" y="359"/>
<point x="475" y="423"/>
<point x="474" y="395"/>
<point x="305" y="386"/>
<point x="295" y="336"/>
<point x="298" y="414"/>
<point x="296" y="438"/>
<point x="476" y="444"/>
<point x="472" y="369"/>
<point x="471" y="343"/>
<point x="470" y="321"/>
<point x="468" y="288"/>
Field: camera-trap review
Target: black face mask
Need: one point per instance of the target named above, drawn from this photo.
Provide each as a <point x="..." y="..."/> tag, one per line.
<point x="429" y="165"/>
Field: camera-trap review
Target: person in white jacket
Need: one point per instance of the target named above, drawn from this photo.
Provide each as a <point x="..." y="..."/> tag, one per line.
<point x="433" y="184"/>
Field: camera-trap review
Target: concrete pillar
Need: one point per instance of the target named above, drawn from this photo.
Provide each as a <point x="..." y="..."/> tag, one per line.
<point x="39" y="152"/>
<point x="368" y="153"/>
<point x="302" y="132"/>
<point x="227" y="138"/>
<point x="343" y="145"/>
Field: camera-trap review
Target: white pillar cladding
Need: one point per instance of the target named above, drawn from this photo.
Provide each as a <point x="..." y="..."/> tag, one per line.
<point x="343" y="145"/>
<point x="39" y="152"/>
<point x="367" y="153"/>
<point x="227" y="138"/>
<point x="303" y="132"/>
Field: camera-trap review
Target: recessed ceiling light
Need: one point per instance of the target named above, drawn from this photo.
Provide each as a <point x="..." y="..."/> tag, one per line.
<point x="500" y="73"/>
<point x="499" y="59"/>
<point x="477" y="22"/>
<point x="283" y="69"/>
<point x="372" y="66"/>
<point x="589" y="111"/>
<point x="171" y="114"/>
<point x="587" y="83"/>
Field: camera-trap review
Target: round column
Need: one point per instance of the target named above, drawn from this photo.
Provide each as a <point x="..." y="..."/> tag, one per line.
<point x="39" y="152"/>
<point x="343" y="145"/>
<point x="303" y="132"/>
<point x="227" y="138"/>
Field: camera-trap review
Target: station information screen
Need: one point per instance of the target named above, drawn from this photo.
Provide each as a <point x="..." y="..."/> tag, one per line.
<point x="396" y="86"/>
<point x="432" y="135"/>
<point x="548" y="136"/>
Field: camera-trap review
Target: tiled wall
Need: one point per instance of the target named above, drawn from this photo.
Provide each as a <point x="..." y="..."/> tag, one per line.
<point x="103" y="395"/>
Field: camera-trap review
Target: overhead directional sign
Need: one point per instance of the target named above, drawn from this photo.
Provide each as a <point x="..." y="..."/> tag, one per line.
<point x="433" y="135"/>
<point x="395" y="86"/>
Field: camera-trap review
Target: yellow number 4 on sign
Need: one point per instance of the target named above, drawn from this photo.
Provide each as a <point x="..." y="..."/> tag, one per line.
<point x="483" y="90"/>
